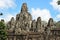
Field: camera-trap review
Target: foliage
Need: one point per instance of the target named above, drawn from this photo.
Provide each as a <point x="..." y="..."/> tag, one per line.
<point x="2" y="31"/>
<point x="58" y="2"/>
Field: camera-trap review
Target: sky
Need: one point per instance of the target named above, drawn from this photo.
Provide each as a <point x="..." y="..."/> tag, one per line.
<point x="37" y="8"/>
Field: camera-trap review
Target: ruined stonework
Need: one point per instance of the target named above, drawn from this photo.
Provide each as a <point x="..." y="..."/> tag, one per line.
<point x="23" y="19"/>
<point x="24" y="28"/>
<point x="39" y="23"/>
<point x="11" y="24"/>
<point x="33" y="26"/>
<point x="50" y="22"/>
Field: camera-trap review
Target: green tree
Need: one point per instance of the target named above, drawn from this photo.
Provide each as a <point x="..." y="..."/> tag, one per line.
<point x="2" y="31"/>
<point x="58" y="2"/>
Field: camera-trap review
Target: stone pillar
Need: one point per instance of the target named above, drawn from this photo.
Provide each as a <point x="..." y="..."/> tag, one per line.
<point x="49" y="26"/>
<point x="14" y="37"/>
<point x="50" y="22"/>
<point x="33" y="26"/>
<point x="39" y="24"/>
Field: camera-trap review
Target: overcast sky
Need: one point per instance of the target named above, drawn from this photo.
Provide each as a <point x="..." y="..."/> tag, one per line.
<point x="44" y="8"/>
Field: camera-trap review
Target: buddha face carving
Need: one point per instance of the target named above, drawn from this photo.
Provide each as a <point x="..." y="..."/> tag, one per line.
<point x="50" y="22"/>
<point x="24" y="7"/>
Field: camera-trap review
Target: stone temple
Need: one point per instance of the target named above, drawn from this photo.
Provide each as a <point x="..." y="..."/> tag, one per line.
<point x="24" y="28"/>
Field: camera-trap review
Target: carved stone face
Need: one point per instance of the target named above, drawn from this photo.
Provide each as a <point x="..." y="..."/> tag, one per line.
<point x="50" y="22"/>
<point x="24" y="7"/>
